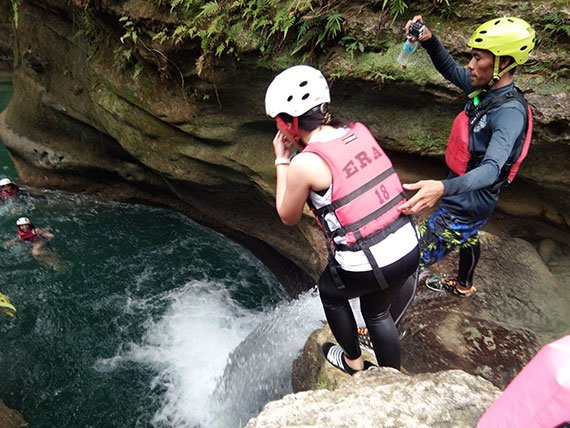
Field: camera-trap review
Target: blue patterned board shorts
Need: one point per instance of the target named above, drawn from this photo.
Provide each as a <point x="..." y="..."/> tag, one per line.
<point x="443" y="233"/>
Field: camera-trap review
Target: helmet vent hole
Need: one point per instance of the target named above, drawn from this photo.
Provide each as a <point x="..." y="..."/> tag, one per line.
<point x="479" y="40"/>
<point x="497" y="21"/>
<point x="304" y="83"/>
<point x="289" y="98"/>
<point x="483" y="32"/>
<point x="524" y="48"/>
<point x="510" y="20"/>
<point x="305" y="96"/>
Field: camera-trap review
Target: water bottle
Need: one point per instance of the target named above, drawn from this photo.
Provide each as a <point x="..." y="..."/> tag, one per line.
<point x="408" y="50"/>
<point x="416" y="30"/>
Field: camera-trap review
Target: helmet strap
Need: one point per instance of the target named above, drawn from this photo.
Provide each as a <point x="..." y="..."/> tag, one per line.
<point x="496" y="77"/>
<point x="498" y="74"/>
<point x="291" y="129"/>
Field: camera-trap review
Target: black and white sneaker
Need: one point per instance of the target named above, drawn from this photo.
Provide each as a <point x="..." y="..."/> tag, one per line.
<point x="336" y="356"/>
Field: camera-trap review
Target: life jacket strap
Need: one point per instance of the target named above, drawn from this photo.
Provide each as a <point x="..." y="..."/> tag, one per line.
<point x="353" y="227"/>
<point x="365" y="245"/>
<point x="377" y="236"/>
<point x="475" y="116"/>
<point x="360" y="191"/>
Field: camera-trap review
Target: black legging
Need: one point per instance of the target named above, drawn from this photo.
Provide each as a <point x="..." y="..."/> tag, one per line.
<point x="468" y="259"/>
<point x="374" y="304"/>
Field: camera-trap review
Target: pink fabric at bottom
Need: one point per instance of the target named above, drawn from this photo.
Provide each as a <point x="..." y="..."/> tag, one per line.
<point x="539" y="396"/>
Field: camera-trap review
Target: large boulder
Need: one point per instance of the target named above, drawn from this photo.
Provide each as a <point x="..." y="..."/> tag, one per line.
<point x="10" y="418"/>
<point x="386" y="398"/>
<point x="382" y="397"/>
<point x="520" y="305"/>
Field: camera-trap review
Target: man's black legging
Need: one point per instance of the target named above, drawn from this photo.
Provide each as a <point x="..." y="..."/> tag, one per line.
<point x="374" y="304"/>
<point x="468" y="259"/>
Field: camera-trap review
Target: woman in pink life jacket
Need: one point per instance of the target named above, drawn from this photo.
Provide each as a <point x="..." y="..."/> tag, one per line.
<point x="32" y="235"/>
<point x="349" y="183"/>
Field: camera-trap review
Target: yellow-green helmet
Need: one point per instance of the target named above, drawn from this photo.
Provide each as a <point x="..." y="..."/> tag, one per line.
<point x="508" y="36"/>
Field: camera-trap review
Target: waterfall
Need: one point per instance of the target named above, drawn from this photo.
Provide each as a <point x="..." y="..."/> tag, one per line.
<point x="217" y="363"/>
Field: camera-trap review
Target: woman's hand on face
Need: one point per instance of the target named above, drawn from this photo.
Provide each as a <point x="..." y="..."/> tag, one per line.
<point x="281" y="145"/>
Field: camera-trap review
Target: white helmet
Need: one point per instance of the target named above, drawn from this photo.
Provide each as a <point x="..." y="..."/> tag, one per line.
<point x="5" y="182"/>
<point x="295" y="91"/>
<point x="23" y="220"/>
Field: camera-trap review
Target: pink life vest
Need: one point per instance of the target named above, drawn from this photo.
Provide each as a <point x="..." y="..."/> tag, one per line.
<point x="366" y="193"/>
<point x="30" y="235"/>
<point x="459" y="149"/>
<point x="9" y="191"/>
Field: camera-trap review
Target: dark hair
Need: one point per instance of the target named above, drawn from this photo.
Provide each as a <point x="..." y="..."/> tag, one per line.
<point x="315" y="117"/>
<point x="511" y="60"/>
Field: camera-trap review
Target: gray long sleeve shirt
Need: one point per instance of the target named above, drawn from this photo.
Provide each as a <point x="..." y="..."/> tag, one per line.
<point x="471" y="197"/>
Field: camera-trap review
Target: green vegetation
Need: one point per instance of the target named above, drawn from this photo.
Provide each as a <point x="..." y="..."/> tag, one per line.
<point x="358" y="39"/>
<point x="6" y="306"/>
<point x="15" y="7"/>
<point x="324" y="383"/>
<point x="428" y="142"/>
<point x="228" y="27"/>
<point x="558" y="25"/>
<point x="293" y="29"/>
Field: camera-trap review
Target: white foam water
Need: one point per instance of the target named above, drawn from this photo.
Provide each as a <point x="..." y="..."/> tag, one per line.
<point x="218" y="363"/>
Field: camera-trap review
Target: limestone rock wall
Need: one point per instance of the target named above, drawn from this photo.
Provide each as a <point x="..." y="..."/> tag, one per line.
<point x="199" y="141"/>
<point x="381" y="397"/>
<point x="6" y="35"/>
<point x="386" y="398"/>
<point x="10" y="418"/>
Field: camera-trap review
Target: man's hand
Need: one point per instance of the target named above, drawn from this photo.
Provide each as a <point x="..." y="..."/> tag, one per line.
<point x="426" y="33"/>
<point x="429" y="192"/>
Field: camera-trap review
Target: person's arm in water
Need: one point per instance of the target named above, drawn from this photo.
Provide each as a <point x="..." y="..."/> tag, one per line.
<point x="10" y="242"/>
<point x="40" y="232"/>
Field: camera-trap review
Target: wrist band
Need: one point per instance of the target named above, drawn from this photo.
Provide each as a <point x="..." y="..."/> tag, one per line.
<point x="282" y="161"/>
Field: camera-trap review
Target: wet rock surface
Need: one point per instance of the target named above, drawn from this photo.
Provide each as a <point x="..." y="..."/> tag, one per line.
<point x="520" y="305"/>
<point x="381" y="397"/>
<point x="386" y="398"/>
<point x="442" y="337"/>
<point x="11" y="418"/>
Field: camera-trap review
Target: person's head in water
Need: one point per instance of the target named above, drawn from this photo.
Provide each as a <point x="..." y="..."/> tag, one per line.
<point x="6" y="184"/>
<point x="497" y="47"/>
<point x="24" y="224"/>
<point x="298" y="99"/>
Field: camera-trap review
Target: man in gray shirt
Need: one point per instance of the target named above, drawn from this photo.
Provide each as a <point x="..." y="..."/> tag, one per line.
<point x="486" y="140"/>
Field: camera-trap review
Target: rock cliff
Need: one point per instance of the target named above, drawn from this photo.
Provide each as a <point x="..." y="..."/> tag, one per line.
<point x="381" y="397"/>
<point x="165" y="131"/>
<point x="10" y="418"/>
<point x="171" y="128"/>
